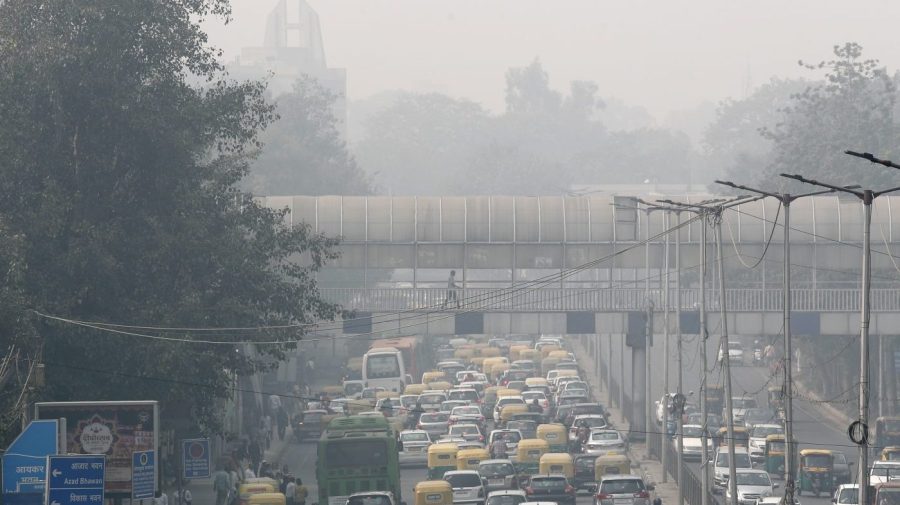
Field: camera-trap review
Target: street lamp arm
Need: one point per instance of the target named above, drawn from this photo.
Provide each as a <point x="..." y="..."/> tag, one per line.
<point x="814" y="182"/>
<point x="873" y="159"/>
<point x="752" y="190"/>
<point x="891" y="190"/>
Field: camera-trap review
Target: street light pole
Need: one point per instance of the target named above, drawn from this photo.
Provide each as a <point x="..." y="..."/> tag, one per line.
<point x="867" y="196"/>
<point x="663" y="433"/>
<point x="680" y="421"/>
<point x="704" y="408"/>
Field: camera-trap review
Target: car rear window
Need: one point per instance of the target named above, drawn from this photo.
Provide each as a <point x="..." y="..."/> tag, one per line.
<point x="438" y="417"/>
<point x="604" y="436"/>
<point x="506" y="499"/>
<point x="548" y="482"/>
<point x="621" y="486"/>
<point x="464" y="480"/>
<point x="432" y="398"/>
<point x="495" y="469"/>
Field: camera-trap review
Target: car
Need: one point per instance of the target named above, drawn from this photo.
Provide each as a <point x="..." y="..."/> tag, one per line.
<point x="467" y="432"/>
<point x="551" y="487"/>
<point x="477" y="386"/>
<point x="693" y="442"/>
<point x="468" y="395"/>
<point x="576" y="385"/>
<point x="591" y="420"/>
<point x="414" y="447"/>
<point x="758" y="435"/>
<point x="523" y="364"/>
<point x="571" y="398"/>
<point x="721" y="465"/>
<point x="739" y="407"/>
<point x="430" y="401"/>
<point x="735" y="353"/>
<point x="846" y="494"/>
<point x="467" y="414"/>
<point x="514" y="375"/>
<point x="449" y="405"/>
<point x="539" y="503"/>
<point x="396" y="406"/>
<point x="435" y="423"/>
<point x="512" y="437"/>
<point x="602" y="442"/>
<point x="751" y="486"/>
<point x="526" y="427"/>
<point x="560" y="383"/>
<point x="504" y="401"/>
<point x="661" y="405"/>
<point x="372" y="498"/>
<point x="505" y="497"/>
<point x="759" y="416"/>
<point x="499" y="474"/>
<point x="582" y="409"/>
<point x="775" y="500"/>
<point x="531" y="395"/>
<point x="622" y="490"/>
<point x="467" y="486"/>
<point x="409" y="401"/>
<point x="883" y="471"/>
<point x="713" y="421"/>
<point x="470" y="376"/>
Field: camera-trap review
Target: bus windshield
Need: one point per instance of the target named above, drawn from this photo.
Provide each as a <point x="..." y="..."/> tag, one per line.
<point x="382" y="366"/>
<point x="356" y="453"/>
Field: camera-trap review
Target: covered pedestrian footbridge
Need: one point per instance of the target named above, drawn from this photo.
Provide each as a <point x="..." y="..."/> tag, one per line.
<point x="552" y="264"/>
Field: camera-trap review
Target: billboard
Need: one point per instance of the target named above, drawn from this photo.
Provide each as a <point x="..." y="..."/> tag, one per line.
<point x="114" y="429"/>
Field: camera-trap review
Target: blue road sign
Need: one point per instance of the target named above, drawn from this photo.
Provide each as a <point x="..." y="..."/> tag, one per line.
<point x="75" y="480"/>
<point x="143" y="474"/>
<point x="24" y="463"/>
<point x="195" y="458"/>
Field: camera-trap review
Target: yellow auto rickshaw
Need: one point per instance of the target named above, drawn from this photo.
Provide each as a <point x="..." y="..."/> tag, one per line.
<point x="547" y="349"/>
<point x="530" y="354"/>
<point x="414" y="389"/>
<point x="254" y="486"/>
<point x="381" y="395"/>
<point x="816" y="471"/>
<point x="477" y="362"/>
<point x="266" y="499"/>
<point x="891" y="453"/>
<point x="515" y="352"/>
<point x="468" y="459"/>
<point x="441" y="458"/>
<point x="741" y="436"/>
<point x="489" y="352"/>
<point x="528" y="454"/>
<point x="548" y="364"/>
<point x="501" y="392"/>
<point x="433" y="492"/>
<point x="558" y="463"/>
<point x="774" y="453"/>
<point x="433" y="376"/>
<point x="440" y="386"/>
<point x="507" y="412"/>
<point x="489" y="363"/>
<point x="556" y="436"/>
<point x="489" y="399"/>
<point x="464" y="354"/>
<point x="616" y="464"/>
<point x="497" y="370"/>
<point x="533" y="382"/>
<point x="559" y="353"/>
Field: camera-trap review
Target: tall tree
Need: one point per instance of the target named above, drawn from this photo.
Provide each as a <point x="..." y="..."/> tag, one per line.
<point x="119" y="178"/>
<point x="303" y="152"/>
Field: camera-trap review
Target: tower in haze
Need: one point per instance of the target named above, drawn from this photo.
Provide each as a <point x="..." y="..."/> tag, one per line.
<point x="292" y="48"/>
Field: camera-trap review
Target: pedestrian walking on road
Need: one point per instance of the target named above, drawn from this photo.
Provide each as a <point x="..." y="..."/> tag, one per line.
<point x="282" y="420"/>
<point x="290" y="491"/>
<point x="300" y="492"/>
<point x="221" y="486"/>
<point x="451" y="290"/>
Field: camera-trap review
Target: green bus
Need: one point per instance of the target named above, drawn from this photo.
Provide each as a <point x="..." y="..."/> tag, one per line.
<point x="357" y="454"/>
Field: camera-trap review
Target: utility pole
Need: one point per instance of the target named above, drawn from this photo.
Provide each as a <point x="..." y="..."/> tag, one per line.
<point x="859" y="429"/>
<point x="663" y="433"/>
<point x="704" y="408"/>
<point x="787" y="390"/>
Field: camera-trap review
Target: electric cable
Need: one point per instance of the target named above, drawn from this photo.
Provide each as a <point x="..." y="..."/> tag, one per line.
<point x="765" y="249"/>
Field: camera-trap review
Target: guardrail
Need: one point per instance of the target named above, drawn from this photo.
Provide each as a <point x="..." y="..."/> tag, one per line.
<point x="523" y="299"/>
<point x="691" y="487"/>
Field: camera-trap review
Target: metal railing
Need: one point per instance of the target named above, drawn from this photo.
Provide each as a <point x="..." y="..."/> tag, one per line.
<point x="601" y="299"/>
<point x="691" y="487"/>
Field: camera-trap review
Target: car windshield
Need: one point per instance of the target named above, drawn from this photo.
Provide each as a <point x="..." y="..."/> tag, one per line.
<point x="742" y="458"/>
<point x="432" y="398"/>
<point x="546" y="483"/>
<point x="888" y="496"/>
<point x="693" y="431"/>
<point x="369" y="500"/>
<point x="848" y="495"/>
<point x="414" y="437"/>
<point x="463" y="480"/>
<point x="575" y="385"/>
<point x="531" y="395"/>
<point x="522" y="425"/>
<point x="604" y="435"/>
<point x="885" y="471"/>
<point x="466" y="411"/>
<point x="505" y="499"/>
<point x="464" y="429"/>
<point x="467" y="395"/>
<point x="588" y="409"/>
<point x="621" y="486"/>
<point x="436" y="417"/>
<point x="764" y="431"/>
<point x="817" y="460"/>
<point x="496" y="469"/>
<point x="591" y="422"/>
<point x="511" y="437"/>
<point x="753" y="479"/>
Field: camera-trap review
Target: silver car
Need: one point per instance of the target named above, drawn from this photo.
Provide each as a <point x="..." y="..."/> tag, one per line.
<point x="623" y="490"/>
<point x="751" y="486"/>
<point x="435" y="423"/>
<point x="467" y="486"/>
<point x="415" y="447"/>
<point x="604" y="442"/>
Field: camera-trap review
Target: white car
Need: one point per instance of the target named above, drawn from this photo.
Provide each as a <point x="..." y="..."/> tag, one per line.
<point x="693" y="442"/>
<point x="846" y="494"/>
<point x="739" y="406"/>
<point x="415" y="447"/>
<point x="735" y="353"/>
<point x="512" y="438"/>
<point x="467" y="486"/>
<point x="758" y="439"/>
<point x="592" y="420"/>
<point x="504" y="401"/>
<point x="506" y="497"/>
<point x="603" y="442"/>
<point x="751" y="486"/>
<point x="721" y="465"/>
<point x="883" y="471"/>
<point x="531" y="396"/>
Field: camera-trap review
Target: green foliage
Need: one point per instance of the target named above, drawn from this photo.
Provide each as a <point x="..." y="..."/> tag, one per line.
<point x="118" y="185"/>
<point x="303" y="152"/>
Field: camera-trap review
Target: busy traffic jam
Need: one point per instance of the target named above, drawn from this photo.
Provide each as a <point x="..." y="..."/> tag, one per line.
<point x="504" y="421"/>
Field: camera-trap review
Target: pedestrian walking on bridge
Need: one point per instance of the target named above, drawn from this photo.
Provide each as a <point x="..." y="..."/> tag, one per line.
<point x="451" y="290"/>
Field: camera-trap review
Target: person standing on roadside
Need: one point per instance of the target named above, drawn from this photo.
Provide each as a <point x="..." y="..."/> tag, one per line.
<point x="221" y="486"/>
<point x="290" y="491"/>
<point x="451" y="290"/>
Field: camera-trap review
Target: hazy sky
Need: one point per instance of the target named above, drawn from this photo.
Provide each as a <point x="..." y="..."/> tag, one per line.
<point x="663" y="54"/>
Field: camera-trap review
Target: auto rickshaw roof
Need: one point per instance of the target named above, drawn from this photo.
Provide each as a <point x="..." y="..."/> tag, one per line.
<point x="433" y="485"/>
<point x="557" y="457"/>
<point x="816" y="452"/>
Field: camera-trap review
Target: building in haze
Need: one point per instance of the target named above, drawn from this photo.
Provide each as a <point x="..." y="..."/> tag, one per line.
<point x="293" y="48"/>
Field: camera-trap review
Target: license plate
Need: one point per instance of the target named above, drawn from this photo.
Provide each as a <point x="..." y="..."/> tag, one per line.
<point x="413" y="449"/>
<point x="623" y="501"/>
